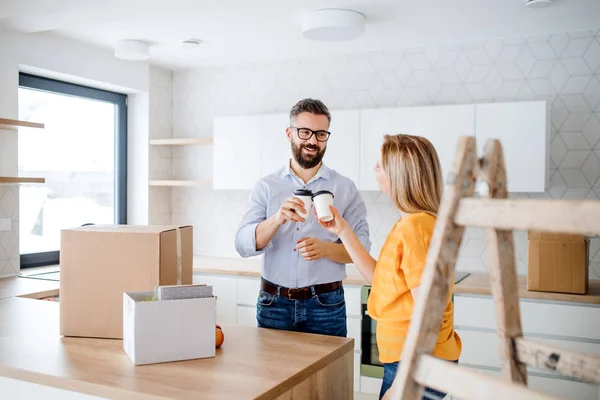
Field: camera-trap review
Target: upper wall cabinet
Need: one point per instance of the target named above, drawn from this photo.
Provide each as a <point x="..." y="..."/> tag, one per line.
<point x="236" y="157"/>
<point x="250" y="147"/>
<point x="343" y="146"/>
<point x="442" y="125"/>
<point x="247" y="148"/>
<point x="275" y="149"/>
<point x="523" y="129"/>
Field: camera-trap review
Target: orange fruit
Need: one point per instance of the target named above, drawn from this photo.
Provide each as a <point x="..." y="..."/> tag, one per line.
<point x="220" y="337"/>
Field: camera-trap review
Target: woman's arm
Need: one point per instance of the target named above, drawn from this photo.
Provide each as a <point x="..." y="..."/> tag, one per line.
<point x="359" y="255"/>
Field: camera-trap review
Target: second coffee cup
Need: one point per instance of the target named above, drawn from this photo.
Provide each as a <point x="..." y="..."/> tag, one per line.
<point x="305" y="195"/>
<point x="323" y="200"/>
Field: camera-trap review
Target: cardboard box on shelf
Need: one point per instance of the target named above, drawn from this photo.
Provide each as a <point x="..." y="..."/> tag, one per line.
<point x="168" y="330"/>
<point x="98" y="263"/>
<point x="558" y="262"/>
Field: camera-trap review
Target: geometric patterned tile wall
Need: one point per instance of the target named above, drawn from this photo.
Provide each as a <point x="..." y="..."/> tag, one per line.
<point x="563" y="68"/>
<point x="9" y="240"/>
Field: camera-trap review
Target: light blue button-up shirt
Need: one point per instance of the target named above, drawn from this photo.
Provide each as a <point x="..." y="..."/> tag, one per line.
<point x="281" y="264"/>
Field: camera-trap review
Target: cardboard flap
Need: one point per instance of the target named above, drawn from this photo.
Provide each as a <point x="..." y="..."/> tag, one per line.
<point x="137" y="229"/>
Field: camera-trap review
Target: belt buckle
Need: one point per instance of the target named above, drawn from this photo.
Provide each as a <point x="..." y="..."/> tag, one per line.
<point x="290" y="292"/>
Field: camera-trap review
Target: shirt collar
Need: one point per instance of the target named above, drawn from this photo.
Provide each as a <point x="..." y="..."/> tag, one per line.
<point x="323" y="172"/>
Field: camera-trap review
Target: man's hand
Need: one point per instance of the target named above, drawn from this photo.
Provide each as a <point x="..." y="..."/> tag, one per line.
<point x="287" y="211"/>
<point x="311" y="248"/>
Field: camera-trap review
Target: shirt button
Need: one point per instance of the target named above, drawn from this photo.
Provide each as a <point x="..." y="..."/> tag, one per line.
<point x="297" y="229"/>
<point x="294" y="249"/>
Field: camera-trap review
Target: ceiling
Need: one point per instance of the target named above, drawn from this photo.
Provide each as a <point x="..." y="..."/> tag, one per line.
<point x="251" y="31"/>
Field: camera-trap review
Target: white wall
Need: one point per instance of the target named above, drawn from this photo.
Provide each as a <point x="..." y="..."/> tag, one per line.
<point x="161" y="90"/>
<point x="563" y="68"/>
<point x="64" y="59"/>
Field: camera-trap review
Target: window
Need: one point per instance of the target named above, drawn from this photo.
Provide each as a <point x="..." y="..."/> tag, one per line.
<point x="82" y="153"/>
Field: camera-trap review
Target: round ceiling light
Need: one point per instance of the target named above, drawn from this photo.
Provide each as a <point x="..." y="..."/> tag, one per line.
<point x="538" y="3"/>
<point x="190" y="44"/>
<point x="133" y="50"/>
<point x="333" y="25"/>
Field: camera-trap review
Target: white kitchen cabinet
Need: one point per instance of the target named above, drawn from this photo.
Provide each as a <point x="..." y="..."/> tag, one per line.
<point x="225" y="289"/>
<point x="561" y="388"/>
<point x="523" y="129"/>
<point x="247" y="148"/>
<point x="571" y="326"/>
<point x="356" y="372"/>
<point x="343" y="146"/>
<point x="354" y="327"/>
<point x="538" y="318"/>
<point x="370" y="385"/>
<point x="442" y="125"/>
<point x="352" y="295"/>
<point x="236" y="157"/>
<point x="275" y="150"/>
<point x="246" y="316"/>
<point x="247" y="290"/>
<point x="482" y="347"/>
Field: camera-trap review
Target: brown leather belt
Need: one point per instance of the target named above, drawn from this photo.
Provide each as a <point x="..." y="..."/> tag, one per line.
<point x="303" y="293"/>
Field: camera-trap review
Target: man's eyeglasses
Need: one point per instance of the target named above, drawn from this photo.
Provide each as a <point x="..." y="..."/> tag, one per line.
<point x="306" y="134"/>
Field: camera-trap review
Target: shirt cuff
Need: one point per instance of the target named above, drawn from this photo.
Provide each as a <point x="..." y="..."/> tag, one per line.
<point x="251" y="248"/>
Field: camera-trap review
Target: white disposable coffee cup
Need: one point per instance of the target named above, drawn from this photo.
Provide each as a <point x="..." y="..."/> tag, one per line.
<point x="323" y="199"/>
<point x="306" y="197"/>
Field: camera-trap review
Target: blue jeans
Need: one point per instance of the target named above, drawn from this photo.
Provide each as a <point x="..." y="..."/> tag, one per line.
<point x="389" y="373"/>
<point x="323" y="314"/>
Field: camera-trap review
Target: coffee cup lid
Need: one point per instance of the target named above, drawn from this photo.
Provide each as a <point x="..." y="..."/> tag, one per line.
<point x="323" y="192"/>
<point x="303" y="192"/>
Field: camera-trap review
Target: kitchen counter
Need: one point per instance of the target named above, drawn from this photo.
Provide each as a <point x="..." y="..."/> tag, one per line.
<point x="252" y="363"/>
<point x="27" y="287"/>
<point x="475" y="283"/>
<point x="480" y="284"/>
<point x="251" y="267"/>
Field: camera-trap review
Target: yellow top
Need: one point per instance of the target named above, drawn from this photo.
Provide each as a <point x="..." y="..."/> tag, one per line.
<point x="399" y="269"/>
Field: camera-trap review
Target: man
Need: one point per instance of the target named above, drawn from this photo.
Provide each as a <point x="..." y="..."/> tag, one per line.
<point x="303" y="264"/>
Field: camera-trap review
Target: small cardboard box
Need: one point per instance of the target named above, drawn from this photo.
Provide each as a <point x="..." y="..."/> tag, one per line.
<point x="558" y="263"/>
<point x="98" y="263"/>
<point x="167" y="330"/>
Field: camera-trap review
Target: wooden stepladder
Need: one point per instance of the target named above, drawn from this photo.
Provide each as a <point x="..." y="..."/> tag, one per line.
<point x="499" y="216"/>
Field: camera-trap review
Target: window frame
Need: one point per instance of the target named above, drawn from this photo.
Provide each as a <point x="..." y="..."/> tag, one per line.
<point x="35" y="82"/>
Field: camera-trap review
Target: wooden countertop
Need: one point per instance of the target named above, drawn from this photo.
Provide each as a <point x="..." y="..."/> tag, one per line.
<point x="27" y="287"/>
<point x="251" y="267"/>
<point x="480" y="284"/>
<point x="252" y="363"/>
<point x="475" y="283"/>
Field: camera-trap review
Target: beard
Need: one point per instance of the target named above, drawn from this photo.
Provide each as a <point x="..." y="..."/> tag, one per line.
<point x="307" y="161"/>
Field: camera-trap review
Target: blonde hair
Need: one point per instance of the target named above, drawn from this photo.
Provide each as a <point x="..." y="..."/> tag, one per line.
<point x="413" y="169"/>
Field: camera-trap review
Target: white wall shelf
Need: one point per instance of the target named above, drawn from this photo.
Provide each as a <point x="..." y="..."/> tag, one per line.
<point x="181" y="141"/>
<point x="14" y="125"/>
<point x="180" y="183"/>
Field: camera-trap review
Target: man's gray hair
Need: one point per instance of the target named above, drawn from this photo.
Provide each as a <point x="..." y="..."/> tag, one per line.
<point x="312" y="106"/>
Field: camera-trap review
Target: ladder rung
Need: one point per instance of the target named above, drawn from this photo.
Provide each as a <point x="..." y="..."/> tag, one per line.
<point x="561" y="216"/>
<point x="566" y="362"/>
<point x="469" y="385"/>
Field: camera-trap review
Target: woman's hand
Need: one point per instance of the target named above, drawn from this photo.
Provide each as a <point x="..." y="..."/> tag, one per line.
<point x="337" y="225"/>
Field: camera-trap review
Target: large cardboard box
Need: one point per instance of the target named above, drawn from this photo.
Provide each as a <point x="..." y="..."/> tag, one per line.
<point x="558" y="263"/>
<point x="167" y="330"/>
<point x="98" y="263"/>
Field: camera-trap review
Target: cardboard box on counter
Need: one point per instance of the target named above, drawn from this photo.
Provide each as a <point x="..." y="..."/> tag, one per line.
<point x="168" y="330"/>
<point x="98" y="263"/>
<point x="558" y="263"/>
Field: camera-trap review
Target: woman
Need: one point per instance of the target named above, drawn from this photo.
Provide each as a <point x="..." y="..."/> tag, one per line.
<point x="409" y="172"/>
